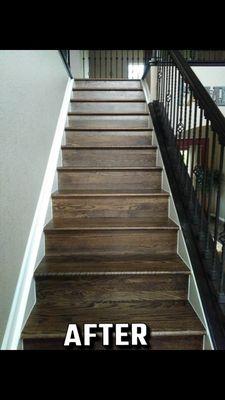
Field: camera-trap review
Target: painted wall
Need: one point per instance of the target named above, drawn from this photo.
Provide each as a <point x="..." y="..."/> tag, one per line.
<point x="32" y="87"/>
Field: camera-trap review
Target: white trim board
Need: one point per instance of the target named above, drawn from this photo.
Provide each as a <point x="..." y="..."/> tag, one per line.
<point x="18" y="309"/>
<point x="193" y="292"/>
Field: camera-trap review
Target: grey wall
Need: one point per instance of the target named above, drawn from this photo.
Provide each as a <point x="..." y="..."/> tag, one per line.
<point x="32" y="86"/>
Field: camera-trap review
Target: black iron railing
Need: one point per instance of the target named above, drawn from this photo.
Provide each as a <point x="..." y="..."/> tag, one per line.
<point x="204" y="57"/>
<point x="195" y="57"/>
<point x="194" y="131"/>
<point x="65" y="54"/>
<point x="114" y="64"/>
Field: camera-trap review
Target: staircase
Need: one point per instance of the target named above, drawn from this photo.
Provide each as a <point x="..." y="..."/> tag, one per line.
<point x="110" y="248"/>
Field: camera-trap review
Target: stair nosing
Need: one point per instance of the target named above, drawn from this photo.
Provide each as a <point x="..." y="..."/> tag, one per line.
<point x="112" y="228"/>
<point x="65" y="229"/>
<point x="153" y="334"/>
<point x="58" y="275"/>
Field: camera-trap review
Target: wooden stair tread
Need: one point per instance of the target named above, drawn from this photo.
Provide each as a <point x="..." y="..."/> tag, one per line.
<point x="63" y="267"/>
<point x="108" y="89"/>
<point x="77" y="147"/>
<point x="114" y="114"/>
<point x="109" y="168"/>
<point x="163" y="317"/>
<point x="105" y="129"/>
<point x="109" y="192"/>
<point x="109" y="224"/>
<point x="106" y="101"/>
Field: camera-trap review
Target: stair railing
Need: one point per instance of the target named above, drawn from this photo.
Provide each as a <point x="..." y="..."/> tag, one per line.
<point x="114" y="64"/>
<point x="194" y="133"/>
<point x="65" y="54"/>
<point x="204" y="57"/>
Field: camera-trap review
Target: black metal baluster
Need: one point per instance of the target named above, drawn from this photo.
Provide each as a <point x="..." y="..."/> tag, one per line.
<point x="138" y="63"/>
<point x="184" y="130"/>
<point x="158" y="83"/>
<point x="100" y="63"/>
<point x="83" y="65"/>
<point x="106" y="76"/>
<point x="188" y="138"/>
<point x="122" y="64"/>
<point x="159" y="77"/>
<point x="175" y="101"/>
<point x="132" y="65"/>
<point x="169" y="89"/>
<point x="110" y="63"/>
<point x="204" y="185"/>
<point x="116" y="64"/>
<point x="167" y="85"/>
<point x="192" y="199"/>
<point x="89" y="64"/>
<point x="171" y="94"/>
<point x="198" y="169"/>
<point x="214" y="271"/>
<point x="163" y="77"/>
<point x="94" y="64"/>
<point x="128" y="63"/>
<point x="177" y="106"/>
<point x="166" y="82"/>
<point x="208" y="236"/>
<point x="180" y="126"/>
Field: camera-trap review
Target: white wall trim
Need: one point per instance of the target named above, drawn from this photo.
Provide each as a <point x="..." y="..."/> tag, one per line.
<point x="17" y="312"/>
<point x="193" y="292"/>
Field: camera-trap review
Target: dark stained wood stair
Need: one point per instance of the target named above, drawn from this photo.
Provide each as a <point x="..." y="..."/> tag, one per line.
<point x="111" y="250"/>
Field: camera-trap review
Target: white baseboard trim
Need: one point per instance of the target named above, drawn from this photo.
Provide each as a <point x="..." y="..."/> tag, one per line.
<point x="17" y="312"/>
